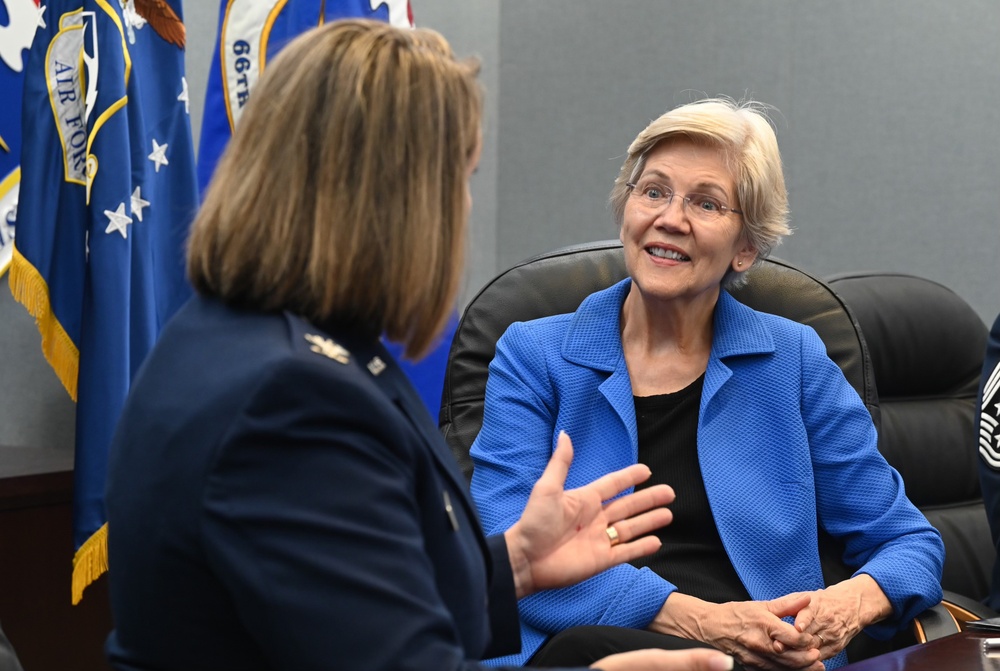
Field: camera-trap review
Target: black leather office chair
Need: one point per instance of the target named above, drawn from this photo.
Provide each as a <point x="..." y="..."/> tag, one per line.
<point x="927" y="346"/>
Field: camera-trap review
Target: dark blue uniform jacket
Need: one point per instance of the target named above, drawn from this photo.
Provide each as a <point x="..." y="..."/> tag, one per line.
<point x="279" y="498"/>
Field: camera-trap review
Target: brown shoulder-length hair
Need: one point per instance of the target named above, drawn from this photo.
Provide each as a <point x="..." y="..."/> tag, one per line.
<point x="342" y="194"/>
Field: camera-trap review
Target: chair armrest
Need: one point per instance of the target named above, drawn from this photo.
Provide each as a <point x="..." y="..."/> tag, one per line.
<point x="949" y="617"/>
<point x="935" y="622"/>
<point x="964" y="609"/>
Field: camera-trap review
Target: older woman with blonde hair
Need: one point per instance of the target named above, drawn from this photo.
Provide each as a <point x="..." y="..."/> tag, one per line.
<point x="278" y="496"/>
<point x="743" y="413"/>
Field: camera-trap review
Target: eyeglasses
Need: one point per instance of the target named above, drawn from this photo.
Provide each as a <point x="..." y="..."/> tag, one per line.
<point x="653" y="197"/>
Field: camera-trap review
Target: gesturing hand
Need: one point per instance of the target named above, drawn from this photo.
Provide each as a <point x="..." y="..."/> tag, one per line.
<point x="562" y="536"/>
<point x="698" y="659"/>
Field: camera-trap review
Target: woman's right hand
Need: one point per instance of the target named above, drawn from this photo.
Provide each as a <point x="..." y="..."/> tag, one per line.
<point x="698" y="659"/>
<point x="748" y="630"/>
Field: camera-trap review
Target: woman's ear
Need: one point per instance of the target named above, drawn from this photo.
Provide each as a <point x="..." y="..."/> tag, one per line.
<point x="744" y="259"/>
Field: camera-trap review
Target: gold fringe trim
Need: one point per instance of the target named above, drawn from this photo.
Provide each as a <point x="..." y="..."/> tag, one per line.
<point x="31" y="290"/>
<point x="90" y="562"/>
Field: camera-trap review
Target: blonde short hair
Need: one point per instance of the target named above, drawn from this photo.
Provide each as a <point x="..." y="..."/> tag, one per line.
<point x="745" y="136"/>
<point x="342" y="194"/>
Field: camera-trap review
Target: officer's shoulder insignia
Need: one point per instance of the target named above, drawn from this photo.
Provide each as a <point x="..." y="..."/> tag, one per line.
<point x="989" y="419"/>
<point x="328" y="348"/>
<point x="376" y="366"/>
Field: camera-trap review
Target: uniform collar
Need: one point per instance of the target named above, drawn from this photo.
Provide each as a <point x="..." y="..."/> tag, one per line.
<point x="366" y="352"/>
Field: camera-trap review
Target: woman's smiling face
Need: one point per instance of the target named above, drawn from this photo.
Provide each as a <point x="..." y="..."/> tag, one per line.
<point x="669" y="253"/>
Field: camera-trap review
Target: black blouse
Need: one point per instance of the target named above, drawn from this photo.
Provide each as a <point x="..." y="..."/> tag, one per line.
<point x="692" y="556"/>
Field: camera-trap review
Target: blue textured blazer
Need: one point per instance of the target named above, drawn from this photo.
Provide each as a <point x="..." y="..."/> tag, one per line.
<point x="279" y="498"/>
<point x="783" y="441"/>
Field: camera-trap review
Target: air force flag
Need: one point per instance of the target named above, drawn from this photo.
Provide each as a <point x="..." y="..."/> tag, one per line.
<point x="107" y="193"/>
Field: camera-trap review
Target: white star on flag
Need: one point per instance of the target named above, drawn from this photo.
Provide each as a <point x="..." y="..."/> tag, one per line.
<point x="118" y="220"/>
<point x="41" y="17"/>
<point x="159" y="155"/>
<point x="138" y="203"/>
<point x="183" y="97"/>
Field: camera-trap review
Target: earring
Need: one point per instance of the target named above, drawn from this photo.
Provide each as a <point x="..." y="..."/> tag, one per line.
<point x="739" y="264"/>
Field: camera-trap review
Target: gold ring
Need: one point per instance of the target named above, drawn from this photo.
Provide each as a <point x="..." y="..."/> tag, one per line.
<point x="822" y="641"/>
<point x="613" y="536"/>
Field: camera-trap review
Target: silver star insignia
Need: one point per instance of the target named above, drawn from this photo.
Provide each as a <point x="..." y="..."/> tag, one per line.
<point x="118" y="220"/>
<point x="159" y="155"/>
<point x="328" y="348"/>
<point x="138" y="203"/>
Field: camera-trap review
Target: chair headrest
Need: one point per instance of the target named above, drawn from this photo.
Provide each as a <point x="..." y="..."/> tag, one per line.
<point x="927" y="347"/>
<point x="923" y="337"/>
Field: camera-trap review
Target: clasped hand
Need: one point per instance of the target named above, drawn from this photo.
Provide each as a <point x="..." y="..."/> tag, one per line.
<point x="835" y="615"/>
<point x="825" y="622"/>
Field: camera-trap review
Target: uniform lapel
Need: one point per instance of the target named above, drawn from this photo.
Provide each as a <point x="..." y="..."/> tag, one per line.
<point x="367" y="353"/>
<point x="397" y="386"/>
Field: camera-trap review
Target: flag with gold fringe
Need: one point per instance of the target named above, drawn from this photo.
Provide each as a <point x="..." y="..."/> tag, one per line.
<point x="107" y="192"/>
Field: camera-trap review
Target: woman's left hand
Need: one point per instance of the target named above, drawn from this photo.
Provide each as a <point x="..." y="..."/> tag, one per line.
<point x="562" y="536"/>
<point x="838" y="613"/>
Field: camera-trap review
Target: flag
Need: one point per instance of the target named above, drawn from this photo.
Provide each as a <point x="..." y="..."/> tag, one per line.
<point x="19" y="19"/>
<point x="250" y="33"/>
<point x="108" y="190"/>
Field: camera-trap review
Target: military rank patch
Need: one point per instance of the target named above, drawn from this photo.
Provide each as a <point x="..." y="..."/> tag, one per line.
<point x="989" y="418"/>
<point x="328" y="348"/>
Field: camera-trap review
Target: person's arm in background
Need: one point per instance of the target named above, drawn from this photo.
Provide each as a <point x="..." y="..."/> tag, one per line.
<point x="988" y="433"/>
<point x="510" y="454"/>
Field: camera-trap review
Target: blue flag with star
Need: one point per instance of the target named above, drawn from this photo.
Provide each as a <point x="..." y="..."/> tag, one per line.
<point x="251" y="32"/>
<point x="107" y="193"/>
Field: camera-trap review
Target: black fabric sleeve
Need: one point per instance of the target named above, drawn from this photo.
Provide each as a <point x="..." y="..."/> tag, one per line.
<point x="502" y="605"/>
